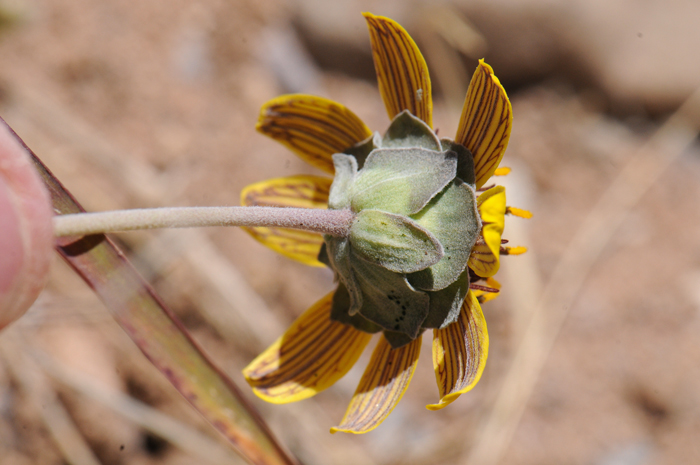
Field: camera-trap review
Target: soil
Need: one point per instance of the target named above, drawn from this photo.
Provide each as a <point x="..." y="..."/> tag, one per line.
<point x="135" y="104"/>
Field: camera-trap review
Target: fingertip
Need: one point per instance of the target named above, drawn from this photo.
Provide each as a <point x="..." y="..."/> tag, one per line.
<point x="11" y="246"/>
<point x="26" y="233"/>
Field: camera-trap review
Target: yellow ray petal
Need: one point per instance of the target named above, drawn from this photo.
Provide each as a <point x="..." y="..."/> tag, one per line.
<point x="486" y="121"/>
<point x="460" y="352"/>
<point x="302" y="191"/>
<point x="502" y="171"/>
<point x="293" y="191"/>
<point x="313" y="127"/>
<point x="519" y="212"/>
<point x="382" y="385"/>
<point x="484" y="258"/>
<point x="484" y="296"/>
<point x="314" y="353"/>
<point x="402" y="73"/>
<point x="519" y="250"/>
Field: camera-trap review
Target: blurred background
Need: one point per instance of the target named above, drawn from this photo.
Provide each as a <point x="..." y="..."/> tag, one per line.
<point x="594" y="348"/>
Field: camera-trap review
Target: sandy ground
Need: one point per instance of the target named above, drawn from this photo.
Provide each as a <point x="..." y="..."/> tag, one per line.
<point x="154" y="104"/>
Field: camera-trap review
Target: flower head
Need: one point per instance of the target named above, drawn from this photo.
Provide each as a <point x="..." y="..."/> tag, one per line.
<point x="423" y="247"/>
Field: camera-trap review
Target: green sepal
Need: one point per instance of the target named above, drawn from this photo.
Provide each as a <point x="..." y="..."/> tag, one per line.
<point x="403" y="268"/>
<point x="402" y="181"/>
<point x="465" y="161"/>
<point x="453" y="218"/>
<point x="446" y="304"/>
<point x="345" y="174"/>
<point x="407" y="130"/>
<point x="396" y="340"/>
<point x="389" y="300"/>
<point x="362" y="149"/>
<point x="340" y="312"/>
<point x="338" y="249"/>
<point x="394" y="242"/>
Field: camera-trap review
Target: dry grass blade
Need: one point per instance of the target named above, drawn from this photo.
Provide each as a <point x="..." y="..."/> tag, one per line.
<point x="558" y="296"/>
<point x="190" y="440"/>
<point x="57" y="420"/>
<point x="161" y="337"/>
<point x="250" y="323"/>
<point x="457" y="30"/>
<point x="446" y="68"/>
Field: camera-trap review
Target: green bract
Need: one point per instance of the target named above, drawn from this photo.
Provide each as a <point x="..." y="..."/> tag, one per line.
<point x="403" y="267"/>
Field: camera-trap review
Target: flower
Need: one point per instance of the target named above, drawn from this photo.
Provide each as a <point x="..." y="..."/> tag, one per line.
<point x="424" y="190"/>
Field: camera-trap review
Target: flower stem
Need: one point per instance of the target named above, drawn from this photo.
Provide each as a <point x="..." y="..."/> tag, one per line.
<point x="333" y="222"/>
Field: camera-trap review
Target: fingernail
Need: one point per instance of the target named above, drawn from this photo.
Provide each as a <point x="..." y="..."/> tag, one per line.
<point x="11" y="246"/>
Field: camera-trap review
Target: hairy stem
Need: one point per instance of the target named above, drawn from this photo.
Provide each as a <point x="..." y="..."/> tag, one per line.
<point x="333" y="222"/>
